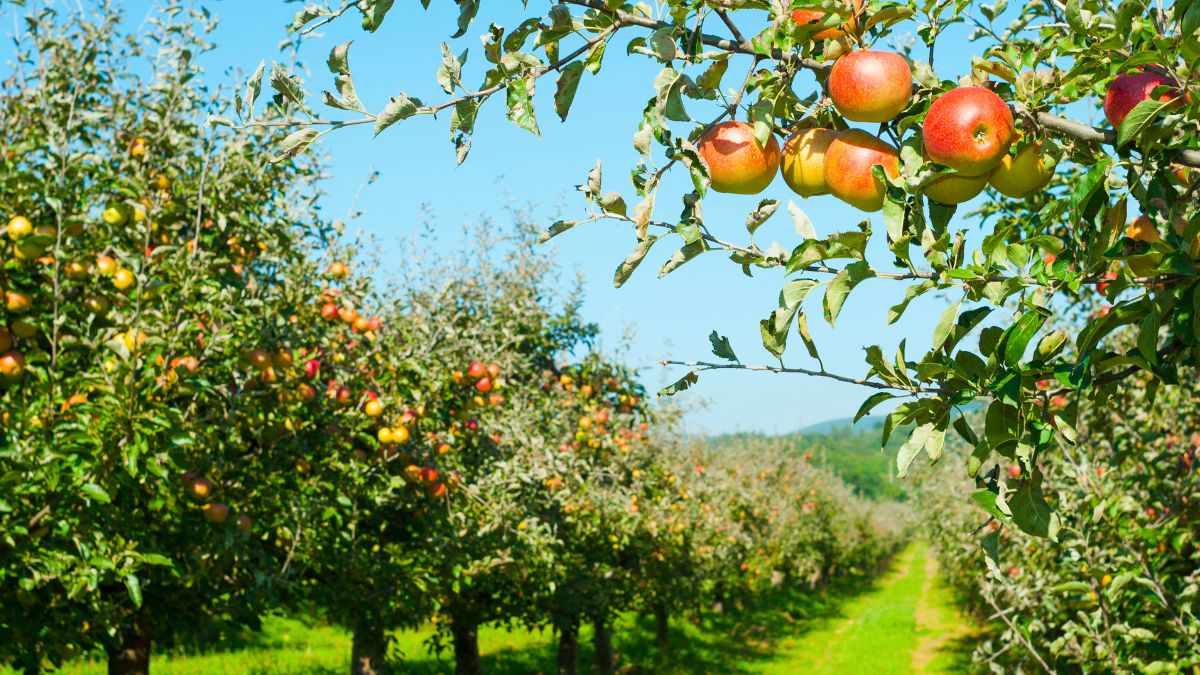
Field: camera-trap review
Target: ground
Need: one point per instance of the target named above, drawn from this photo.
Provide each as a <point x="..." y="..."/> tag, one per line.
<point x="902" y="622"/>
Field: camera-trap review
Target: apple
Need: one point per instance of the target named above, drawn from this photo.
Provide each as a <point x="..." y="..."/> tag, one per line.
<point x="1023" y="174"/>
<point x="954" y="188"/>
<point x="123" y="279"/>
<point x="105" y="265"/>
<point x="19" y="227"/>
<point x="969" y="129"/>
<point x="258" y="359"/>
<point x="338" y="270"/>
<point x="312" y="367"/>
<point x="802" y="162"/>
<point x="484" y="385"/>
<point x="198" y="487"/>
<point x="282" y="358"/>
<point x="1126" y="91"/>
<point x="1014" y="470"/>
<point x="96" y="304"/>
<point x="113" y="216"/>
<point x="807" y="16"/>
<point x="137" y="147"/>
<point x="306" y="392"/>
<point x="848" y="163"/>
<point x="400" y="435"/>
<point x="870" y="86"/>
<point x="347" y="315"/>
<point x="12" y="366"/>
<point x="17" y="302"/>
<point x="373" y="408"/>
<point x="329" y="311"/>
<point x="493" y="370"/>
<point x="77" y="271"/>
<point x="375" y="323"/>
<point x="737" y="162"/>
<point x="476" y="370"/>
<point x="437" y="490"/>
<point x="243" y="523"/>
<point x="216" y="512"/>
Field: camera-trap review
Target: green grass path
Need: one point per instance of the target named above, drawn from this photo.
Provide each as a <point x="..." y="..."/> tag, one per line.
<point x="902" y="622"/>
<point x="906" y="624"/>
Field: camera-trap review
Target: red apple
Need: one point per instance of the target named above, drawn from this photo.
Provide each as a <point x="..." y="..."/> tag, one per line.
<point x="1014" y="470"/>
<point x="803" y="161"/>
<point x="969" y="129"/>
<point x="312" y="367"/>
<point x="476" y="370"/>
<point x="1126" y="91"/>
<point x="805" y="16"/>
<point x="12" y="366"/>
<point x="216" y="512"/>
<point x="870" y="86"/>
<point x="484" y="385"/>
<point x="848" y="164"/>
<point x="737" y="162"/>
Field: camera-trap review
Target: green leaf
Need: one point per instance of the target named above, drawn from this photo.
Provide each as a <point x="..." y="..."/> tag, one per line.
<point x="944" y="325"/>
<point x="626" y="268"/>
<point x="401" y="106"/>
<point x="802" y="328"/>
<point x="449" y="73"/>
<point x="96" y="492"/>
<point x="287" y="85"/>
<point x="986" y="500"/>
<point x="912" y="447"/>
<point x="1030" y="511"/>
<point x="1142" y="115"/>
<point x="1020" y="335"/>
<point x="253" y="88"/>
<point x="721" y="347"/>
<point x="520" y="104"/>
<point x="555" y="230"/>
<point x="339" y="65"/>
<point x="135" y="589"/>
<point x="295" y="143"/>
<point x="869" y="404"/>
<point x="467" y="9"/>
<point x="682" y="384"/>
<point x="766" y="208"/>
<point x="841" y="285"/>
<point x="373" y="12"/>
<point x="683" y="255"/>
<point x="568" y="83"/>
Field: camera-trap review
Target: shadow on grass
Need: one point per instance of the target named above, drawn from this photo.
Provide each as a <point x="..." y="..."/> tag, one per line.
<point x="729" y="642"/>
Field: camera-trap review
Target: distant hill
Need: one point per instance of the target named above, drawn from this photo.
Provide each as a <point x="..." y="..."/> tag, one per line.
<point x="864" y="425"/>
<point x="853" y="453"/>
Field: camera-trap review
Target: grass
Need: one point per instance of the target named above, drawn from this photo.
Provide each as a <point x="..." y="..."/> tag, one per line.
<point x="902" y="622"/>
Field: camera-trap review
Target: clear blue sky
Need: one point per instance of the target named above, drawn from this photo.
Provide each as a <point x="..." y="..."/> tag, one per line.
<point x="672" y="316"/>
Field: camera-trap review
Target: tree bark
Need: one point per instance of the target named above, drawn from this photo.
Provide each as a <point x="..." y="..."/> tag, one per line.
<point x="466" y="648"/>
<point x="662" y="626"/>
<point x="133" y="656"/>
<point x="568" y="646"/>
<point x="606" y="660"/>
<point x="368" y="653"/>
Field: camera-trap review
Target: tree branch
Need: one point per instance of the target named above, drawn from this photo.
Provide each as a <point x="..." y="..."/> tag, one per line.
<point x="705" y="365"/>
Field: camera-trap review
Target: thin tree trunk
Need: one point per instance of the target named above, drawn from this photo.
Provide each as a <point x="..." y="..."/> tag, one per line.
<point x="368" y="653"/>
<point x="606" y="660"/>
<point x="133" y="656"/>
<point x="662" y="625"/>
<point x="466" y="648"/>
<point x="568" y="647"/>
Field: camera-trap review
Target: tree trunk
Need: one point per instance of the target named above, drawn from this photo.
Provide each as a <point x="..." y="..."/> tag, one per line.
<point x="568" y="647"/>
<point x="662" y="625"/>
<point x="133" y="656"/>
<point x="368" y="653"/>
<point x="606" y="660"/>
<point x="466" y="648"/>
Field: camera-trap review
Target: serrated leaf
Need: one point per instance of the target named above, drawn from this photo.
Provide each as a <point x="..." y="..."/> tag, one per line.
<point x="400" y="106"/>
<point x="761" y="214"/>
<point x="721" y="347"/>
<point x="1142" y="115"/>
<point x="682" y="384"/>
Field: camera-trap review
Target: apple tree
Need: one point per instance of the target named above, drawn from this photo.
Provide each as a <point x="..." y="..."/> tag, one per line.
<point x="814" y="91"/>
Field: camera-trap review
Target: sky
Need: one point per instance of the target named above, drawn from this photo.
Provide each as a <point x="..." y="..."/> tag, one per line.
<point x="672" y="317"/>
